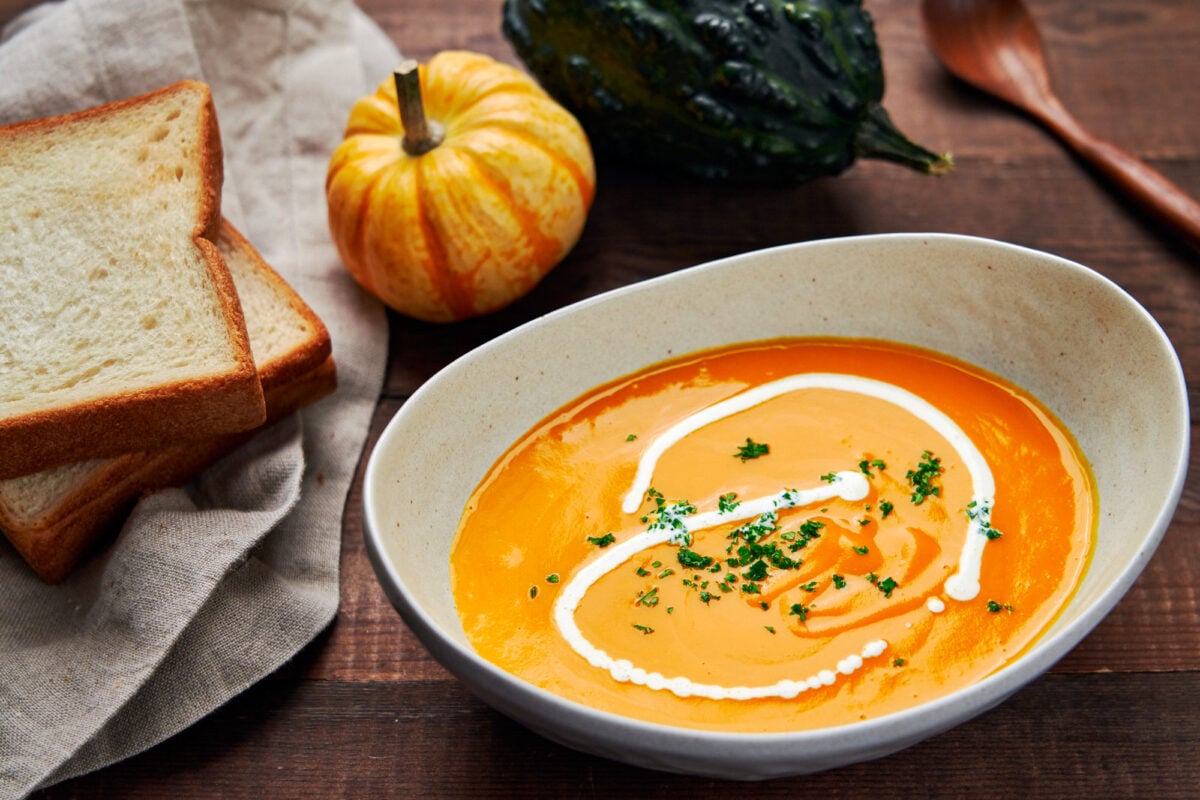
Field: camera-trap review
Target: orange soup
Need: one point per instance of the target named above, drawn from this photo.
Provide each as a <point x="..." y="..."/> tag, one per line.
<point x="774" y="536"/>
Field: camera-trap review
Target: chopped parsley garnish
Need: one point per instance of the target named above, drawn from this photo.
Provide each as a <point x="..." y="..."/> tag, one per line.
<point x="887" y="586"/>
<point x="751" y="449"/>
<point x="921" y="479"/>
<point x="648" y="599"/>
<point x="642" y="572"/>
<point x="982" y="514"/>
<point x="757" y="571"/>
<point x="839" y="582"/>
<point x="644" y="628"/>
<point x="865" y="465"/>
<point x="532" y="592"/>
<point x="770" y="629"/>
<point x="809" y="530"/>
<point x="829" y="477"/>
<point x="602" y="541"/>
<point x="727" y="503"/>
<point x="862" y="550"/>
<point x="885" y="508"/>
<point x="692" y="559"/>
<point x="631" y="437"/>
<point x="898" y="662"/>
<point x="552" y="578"/>
<point x="996" y="608"/>
<point x="800" y="611"/>
<point x="811" y="586"/>
<point x="670" y="517"/>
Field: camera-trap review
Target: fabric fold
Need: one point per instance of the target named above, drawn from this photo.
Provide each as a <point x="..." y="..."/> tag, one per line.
<point x="211" y="587"/>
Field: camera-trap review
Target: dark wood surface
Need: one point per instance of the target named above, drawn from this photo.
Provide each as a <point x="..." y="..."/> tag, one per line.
<point x="364" y="711"/>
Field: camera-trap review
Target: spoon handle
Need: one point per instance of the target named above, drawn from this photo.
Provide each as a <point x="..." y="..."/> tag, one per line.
<point x="1146" y="185"/>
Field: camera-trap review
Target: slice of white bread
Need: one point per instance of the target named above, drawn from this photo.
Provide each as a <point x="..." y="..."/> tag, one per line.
<point x="55" y="517"/>
<point x="120" y="328"/>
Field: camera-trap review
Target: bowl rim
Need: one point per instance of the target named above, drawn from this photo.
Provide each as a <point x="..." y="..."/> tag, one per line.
<point x="918" y="722"/>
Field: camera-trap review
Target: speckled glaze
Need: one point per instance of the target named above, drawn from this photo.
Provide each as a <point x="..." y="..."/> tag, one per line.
<point x="1060" y="330"/>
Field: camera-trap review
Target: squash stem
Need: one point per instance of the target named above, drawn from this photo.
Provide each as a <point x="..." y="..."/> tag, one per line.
<point x="420" y="133"/>
<point x="878" y="137"/>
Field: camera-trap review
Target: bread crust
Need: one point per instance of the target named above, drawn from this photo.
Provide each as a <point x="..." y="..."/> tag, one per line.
<point x="314" y="350"/>
<point x="155" y="416"/>
<point x="88" y="517"/>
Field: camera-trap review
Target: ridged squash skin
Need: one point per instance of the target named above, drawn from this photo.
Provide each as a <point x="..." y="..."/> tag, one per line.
<point x="773" y="91"/>
<point x="475" y="223"/>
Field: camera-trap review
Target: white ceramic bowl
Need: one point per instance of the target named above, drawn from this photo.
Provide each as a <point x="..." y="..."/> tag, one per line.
<point x="1058" y="329"/>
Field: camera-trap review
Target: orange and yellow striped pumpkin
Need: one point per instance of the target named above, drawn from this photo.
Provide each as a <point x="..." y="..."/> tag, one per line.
<point x="468" y="209"/>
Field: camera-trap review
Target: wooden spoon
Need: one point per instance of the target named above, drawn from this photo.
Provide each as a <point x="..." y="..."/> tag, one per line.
<point x="994" y="46"/>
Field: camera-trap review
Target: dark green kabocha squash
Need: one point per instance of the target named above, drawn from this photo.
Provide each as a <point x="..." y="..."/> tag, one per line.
<point x="757" y="90"/>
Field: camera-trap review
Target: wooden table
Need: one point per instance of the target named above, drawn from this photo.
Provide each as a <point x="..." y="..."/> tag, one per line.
<point x="365" y="712"/>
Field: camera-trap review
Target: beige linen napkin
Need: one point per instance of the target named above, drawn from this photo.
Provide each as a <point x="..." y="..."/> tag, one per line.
<point x="211" y="587"/>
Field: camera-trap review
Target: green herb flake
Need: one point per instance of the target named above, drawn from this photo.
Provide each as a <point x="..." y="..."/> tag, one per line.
<point x="866" y="464"/>
<point x="811" y="586"/>
<point x="862" y="550"/>
<point x="898" y="662"/>
<point x="811" y="529"/>
<point x="552" y="578"/>
<point x="996" y="608"/>
<point x="839" y="582"/>
<point x="727" y="503"/>
<point x="631" y="437"/>
<point x="692" y="559"/>
<point x="751" y="449"/>
<point x="829" y="477"/>
<point x="532" y="592"/>
<point x="922" y="478"/>
<point x="885" y="508"/>
<point x="642" y="572"/>
<point x="800" y="611"/>
<point x="644" y="628"/>
<point x="602" y="541"/>
<point x="887" y="586"/>
<point x="648" y="599"/>
<point x="770" y="629"/>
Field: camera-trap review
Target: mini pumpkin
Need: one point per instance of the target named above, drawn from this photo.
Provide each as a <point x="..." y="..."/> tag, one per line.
<point x="458" y="185"/>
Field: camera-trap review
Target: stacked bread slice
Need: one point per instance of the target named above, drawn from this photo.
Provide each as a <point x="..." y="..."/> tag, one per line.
<point x="141" y="335"/>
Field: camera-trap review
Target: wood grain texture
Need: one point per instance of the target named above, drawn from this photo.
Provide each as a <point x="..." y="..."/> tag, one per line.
<point x="366" y="712"/>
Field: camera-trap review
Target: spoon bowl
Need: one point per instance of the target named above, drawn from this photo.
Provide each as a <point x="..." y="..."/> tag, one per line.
<point x="994" y="45"/>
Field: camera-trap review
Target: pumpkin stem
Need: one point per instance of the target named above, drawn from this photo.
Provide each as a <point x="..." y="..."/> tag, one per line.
<point x="877" y="137"/>
<point x="420" y="134"/>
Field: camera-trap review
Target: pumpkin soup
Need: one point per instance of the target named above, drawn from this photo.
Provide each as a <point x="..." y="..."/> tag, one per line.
<point x="778" y="535"/>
